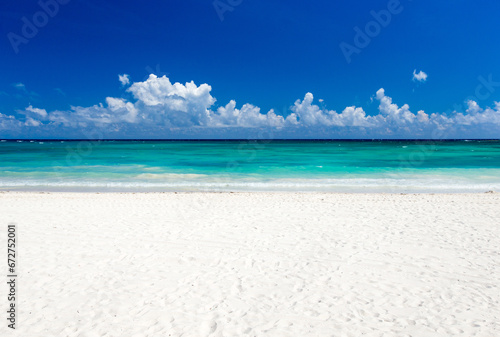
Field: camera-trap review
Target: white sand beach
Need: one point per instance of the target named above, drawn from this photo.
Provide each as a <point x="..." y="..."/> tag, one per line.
<point x="254" y="264"/>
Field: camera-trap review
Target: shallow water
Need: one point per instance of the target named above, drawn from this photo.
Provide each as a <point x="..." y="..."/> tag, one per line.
<point x="330" y="166"/>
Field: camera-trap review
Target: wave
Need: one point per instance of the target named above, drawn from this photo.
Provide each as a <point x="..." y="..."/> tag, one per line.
<point x="170" y="175"/>
<point x="271" y="185"/>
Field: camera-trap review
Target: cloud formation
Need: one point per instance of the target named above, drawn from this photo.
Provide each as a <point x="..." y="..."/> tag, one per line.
<point x="420" y="76"/>
<point x="158" y="108"/>
<point x="124" y="79"/>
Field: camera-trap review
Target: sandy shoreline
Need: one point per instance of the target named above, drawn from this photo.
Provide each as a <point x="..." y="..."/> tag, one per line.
<point x="255" y="264"/>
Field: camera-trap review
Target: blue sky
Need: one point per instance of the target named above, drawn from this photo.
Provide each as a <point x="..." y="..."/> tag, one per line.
<point x="269" y="54"/>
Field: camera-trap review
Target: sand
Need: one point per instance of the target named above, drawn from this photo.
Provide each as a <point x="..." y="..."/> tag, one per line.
<point x="254" y="264"/>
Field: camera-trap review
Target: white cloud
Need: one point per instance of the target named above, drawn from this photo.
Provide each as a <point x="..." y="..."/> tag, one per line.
<point x="420" y="76"/>
<point x="247" y="116"/>
<point x="9" y="123"/>
<point x="40" y="112"/>
<point x="124" y="79"/>
<point x="32" y="122"/>
<point x="161" y="109"/>
<point x="128" y="112"/>
<point x="308" y="114"/>
<point x="392" y="112"/>
<point x="177" y="104"/>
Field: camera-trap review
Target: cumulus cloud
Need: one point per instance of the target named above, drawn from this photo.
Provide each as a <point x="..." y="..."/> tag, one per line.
<point x="40" y="112"/>
<point x="9" y="123"/>
<point x="177" y="104"/>
<point x="158" y="108"/>
<point x="32" y="122"/>
<point x="307" y="114"/>
<point x="247" y="116"/>
<point x="420" y="76"/>
<point x="124" y="79"/>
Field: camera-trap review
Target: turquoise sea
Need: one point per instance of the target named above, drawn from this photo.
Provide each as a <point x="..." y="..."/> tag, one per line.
<point x="331" y="166"/>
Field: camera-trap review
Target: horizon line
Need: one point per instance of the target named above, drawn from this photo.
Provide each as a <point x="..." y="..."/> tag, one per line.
<point x="246" y="139"/>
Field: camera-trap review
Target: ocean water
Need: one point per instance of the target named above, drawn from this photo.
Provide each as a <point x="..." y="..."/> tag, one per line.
<point x="330" y="166"/>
